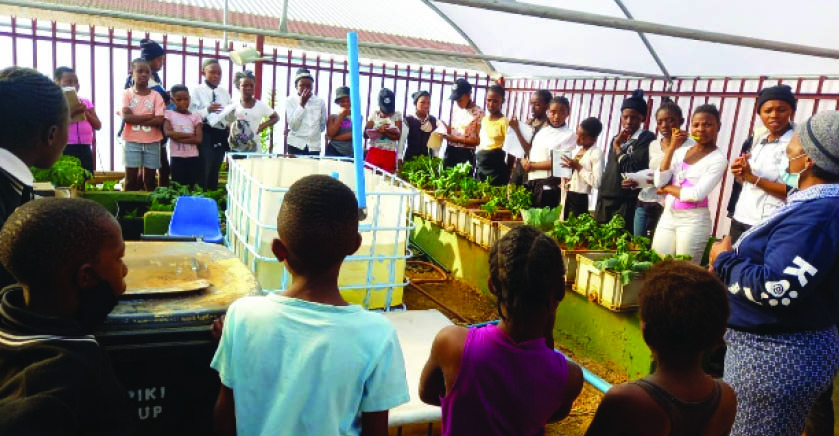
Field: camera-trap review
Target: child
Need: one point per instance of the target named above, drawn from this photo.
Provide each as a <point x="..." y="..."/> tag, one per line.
<point x="587" y="165"/>
<point x="33" y="133"/>
<point x="80" y="133"/>
<point x="142" y="112"/>
<point x="420" y="126"/>
<point x="54" y="376"/>
<point x="307" y="362"/>
<point x="207" y="99"/>
<point x="687" y="175"/>
<point x="306" y="116"/>
<point x="463" y="133"/>
<point x="507" y="380"/>
<point x="246" y="119"/>
<point x="185" y="133"/>
<point x="539" y="102"/>
<point x="684" y="310"/>
<point x="339" y="126"/>
<point x="384" y="150"/>
<point x="556" y="135"/>
<point x="491" y="159"/>
<point x="650" y="205"/>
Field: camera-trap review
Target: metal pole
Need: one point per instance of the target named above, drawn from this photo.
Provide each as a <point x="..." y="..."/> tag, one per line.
<point x="646" y="43"/>
<point x="642" y="26"/>
<point x="226" y="11"/>
<point x="312" y="38"/>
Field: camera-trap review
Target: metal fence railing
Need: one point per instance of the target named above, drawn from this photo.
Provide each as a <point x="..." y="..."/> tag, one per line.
<point x="601" y="97"/>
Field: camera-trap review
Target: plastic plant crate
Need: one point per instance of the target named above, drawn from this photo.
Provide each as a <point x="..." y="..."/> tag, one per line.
<point x="481" y="229"/>
<point x="616" y="296"/>
<point x="605" y="287"/>
<point x="569" y="258"/>
<point x="431" y="208"/>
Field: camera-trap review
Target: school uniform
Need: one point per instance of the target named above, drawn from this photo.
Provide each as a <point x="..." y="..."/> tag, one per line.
<point x="544" y="186"/>
<point x="15" y="189"/>
<point x="583" y="181"/>
<point x="612" y="198"/>
<point x="54" y="379"/>
<point x="214" y="143"/>
<point x="306" y="125"/>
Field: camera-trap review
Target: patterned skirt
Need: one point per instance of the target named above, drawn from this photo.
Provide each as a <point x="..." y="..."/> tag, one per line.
<point x="778" y="377"/>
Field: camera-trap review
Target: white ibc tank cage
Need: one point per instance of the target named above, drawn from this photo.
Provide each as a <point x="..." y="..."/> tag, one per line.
<point x="373" y="277"/>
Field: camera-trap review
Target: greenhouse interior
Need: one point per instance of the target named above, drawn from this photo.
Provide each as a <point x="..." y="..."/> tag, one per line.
<point x="419" y="217"/>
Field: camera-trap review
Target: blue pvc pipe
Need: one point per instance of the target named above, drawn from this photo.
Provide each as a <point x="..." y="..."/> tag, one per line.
<point x="355" y="115"/>
<point x="590" y="377"/>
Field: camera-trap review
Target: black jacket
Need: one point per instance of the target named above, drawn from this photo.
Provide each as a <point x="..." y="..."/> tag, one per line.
<point x="54" y="380"/>
<point x="634" y="157"/>
<point x="737" y="187"/>
<point x="13" y="194"/>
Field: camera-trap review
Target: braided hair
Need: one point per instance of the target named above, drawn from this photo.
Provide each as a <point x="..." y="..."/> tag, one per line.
<point x="560" y="99"/>
<point x="525" y="269"/>
<point x="32" y="103"/>
<point x="669" y="105"/>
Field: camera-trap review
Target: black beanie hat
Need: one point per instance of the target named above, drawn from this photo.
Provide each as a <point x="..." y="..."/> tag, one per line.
<point x="387" y="101"/>
<point x="420" y="94"/>
<point x="636" y="102"/>
<point x="779" y="92"/>
<point x="150" y="50"/>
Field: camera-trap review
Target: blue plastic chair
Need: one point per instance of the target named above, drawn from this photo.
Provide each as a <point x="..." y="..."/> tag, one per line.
<point x="196" y="216"/>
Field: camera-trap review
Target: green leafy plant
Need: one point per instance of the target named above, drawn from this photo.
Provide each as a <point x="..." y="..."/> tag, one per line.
<point x="628" y="263"/>
<point x="518" y="200"/>
<point x="66" y="173"/>
<point x="108" y="186"/>
<point x="163" y="198"/>
<point x="543" y="219"/>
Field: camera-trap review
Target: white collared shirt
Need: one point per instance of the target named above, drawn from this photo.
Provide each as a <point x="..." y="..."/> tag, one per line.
<point x="588" y="177"/>
<point x="766" y="159"/>
<point x="545" y="141"/>
<point x="305" y="124"/>
<point x="13" y="166"/>
<point x="202" y="96"/>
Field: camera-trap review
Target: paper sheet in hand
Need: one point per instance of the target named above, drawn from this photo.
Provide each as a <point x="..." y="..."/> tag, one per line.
<point x="558" y="169"/>
<point x="73" y="101"/>
<point x="216" y="119"/>
<point x="643" y="178"/>
<point x="512" y="145"/>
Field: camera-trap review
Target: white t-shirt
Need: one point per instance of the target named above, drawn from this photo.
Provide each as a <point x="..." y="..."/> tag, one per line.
<point x="587" y="178"/>
<point x="547" y="139"/>
<point x="702" y="177"/>
<point x="303" y="368"/>
<point x="766" y="159"/>
<point x="650" y="194"/>
<point x="244" y="123"/>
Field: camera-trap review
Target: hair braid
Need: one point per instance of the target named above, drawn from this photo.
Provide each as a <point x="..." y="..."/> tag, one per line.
<point x="524" y="266"/>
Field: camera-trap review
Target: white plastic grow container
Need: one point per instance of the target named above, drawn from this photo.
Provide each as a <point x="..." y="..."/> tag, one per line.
<point x="373" y="277"/>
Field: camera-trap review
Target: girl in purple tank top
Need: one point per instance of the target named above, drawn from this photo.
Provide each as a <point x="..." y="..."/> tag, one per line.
<point x="507" y="379"/>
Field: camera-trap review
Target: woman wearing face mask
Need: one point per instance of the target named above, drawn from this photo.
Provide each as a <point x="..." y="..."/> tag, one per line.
<point x="783" y="346"/>
<point x="420" y="126"/>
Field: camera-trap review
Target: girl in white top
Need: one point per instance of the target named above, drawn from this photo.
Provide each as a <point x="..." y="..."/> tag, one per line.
<point x="247" y="117"/>
<point x="668" y="118"/>
<point x="687" y="175"/>
<point x="587" y="164"/>
<point x="555" y="135"/>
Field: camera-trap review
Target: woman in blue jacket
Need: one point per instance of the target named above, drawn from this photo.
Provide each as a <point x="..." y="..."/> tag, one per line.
<point x="782" y="275"/>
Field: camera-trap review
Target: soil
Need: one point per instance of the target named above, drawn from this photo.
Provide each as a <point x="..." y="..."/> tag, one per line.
<point x="465" y="302"/>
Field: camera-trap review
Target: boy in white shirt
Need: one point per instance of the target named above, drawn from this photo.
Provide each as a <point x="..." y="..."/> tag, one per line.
<point x="207" y="100"/>
<point x="555" y="135"/>
<point x="306" y="362"/>
<point x="306" y="116"/>
<point x="587" y="164"/>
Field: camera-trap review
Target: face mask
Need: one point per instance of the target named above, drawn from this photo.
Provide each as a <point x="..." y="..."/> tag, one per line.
<point x="95" y="304"/>
<point x="791" y="179"/>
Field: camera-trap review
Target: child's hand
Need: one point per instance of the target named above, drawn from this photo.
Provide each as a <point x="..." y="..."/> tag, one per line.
<point x="214" y="108"/>
<point x="514" y="123"/>
<point x="217" y="328"/>
<point x="678" y="138"/>
<point x="79" y="109"/>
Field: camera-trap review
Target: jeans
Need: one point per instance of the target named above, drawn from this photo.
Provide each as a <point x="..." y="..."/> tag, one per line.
<point x="647" y="215"/>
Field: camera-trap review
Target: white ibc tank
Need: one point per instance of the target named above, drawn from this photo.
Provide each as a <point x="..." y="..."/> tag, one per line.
<point x="373" y="276"/>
